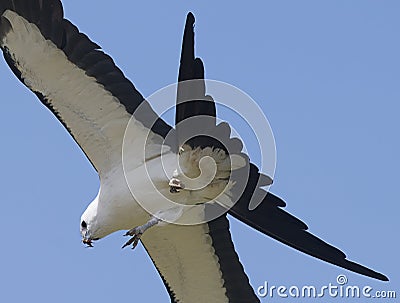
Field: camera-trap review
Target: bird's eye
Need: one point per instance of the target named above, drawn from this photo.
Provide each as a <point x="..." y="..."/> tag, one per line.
<point x="83" y="224"/>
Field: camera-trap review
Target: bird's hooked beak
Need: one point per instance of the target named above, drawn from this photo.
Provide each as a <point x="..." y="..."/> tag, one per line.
<point x="87" y="242"/>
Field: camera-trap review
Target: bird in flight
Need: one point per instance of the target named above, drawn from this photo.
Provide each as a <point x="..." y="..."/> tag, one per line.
<point x="170" y="187"/>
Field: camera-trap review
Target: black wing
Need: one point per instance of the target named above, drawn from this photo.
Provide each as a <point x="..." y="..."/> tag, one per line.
<point x="269" y="217"/>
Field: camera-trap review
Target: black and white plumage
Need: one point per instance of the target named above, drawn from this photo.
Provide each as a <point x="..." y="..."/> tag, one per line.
<point x="94" y="101"/>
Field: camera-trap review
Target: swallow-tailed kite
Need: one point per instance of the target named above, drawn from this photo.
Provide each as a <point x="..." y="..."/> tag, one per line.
<point x="96" y="103"/>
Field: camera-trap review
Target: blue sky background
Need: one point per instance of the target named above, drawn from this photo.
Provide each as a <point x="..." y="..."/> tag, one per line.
<point x="326" y="74"/>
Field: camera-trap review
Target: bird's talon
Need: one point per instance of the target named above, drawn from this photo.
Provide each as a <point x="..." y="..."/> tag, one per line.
<point x="135" y="233"/>
<point x="135" y="243"/>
